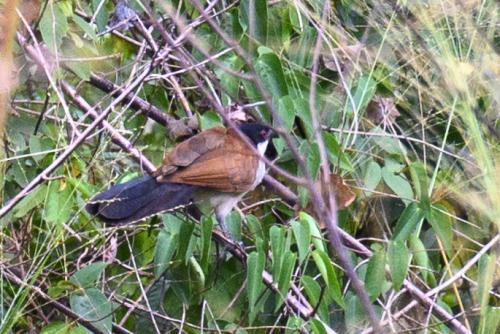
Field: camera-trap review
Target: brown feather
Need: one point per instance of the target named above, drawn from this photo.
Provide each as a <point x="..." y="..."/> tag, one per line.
<point x="189" y="150"/>
<point x="217" y="159"/>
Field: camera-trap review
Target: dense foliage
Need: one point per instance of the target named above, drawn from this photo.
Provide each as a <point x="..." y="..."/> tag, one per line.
<point x="406" y="95"/>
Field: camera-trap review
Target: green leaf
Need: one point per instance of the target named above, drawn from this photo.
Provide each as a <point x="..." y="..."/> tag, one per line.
<point x="101" y="14"/>
<point x="277" y="238"/>
<point x="78" y="330"/>
<point x="362" y="95"/>
<point x="253" y="18"/>
<point x="172" y="223"/>
<point x="354" y="312"/>
<point x="34" y="199"/>
<point x="420" y="181"/>
<point x="88" y="275"/>
<point x="94" y="307"/>
<point x="285" y="277"/>
<point x="185" y="240"/>
<point x="407" y="222"/>
<point x="313" y="292"/>
<point x="60" y="288"/>
<point x="486" y="274"/>
<point x="302" y="235"/>
<point x="421" y="259"/>
<point x="85" y="26"/>
<point x="255" y="265"/>
<point x="59" y="202"/>
<point x="373" y="175"/>
<point x="375" y="276"/>
<point x="313" y="160"/>
<point x="233" y="225"/>
<point x="53" y="26"/>
<point x="57" y="327"/>
<point x="398" y="184"/>
<point x="334" y="150"/>
<point x="442" y="224"/>
<point x="207" y="224"/>
<point x="317" y="238"/>
<point x="302" y="55"/>
<point x="166" y="244"/>
<point x="269" y="70"/>
<point x="196" y="275"/>
<point x="325" y="267"/>
<point x="286" y="111"/>
<point x="387" y="142"/>
<point x="490" y="320"/>
<point x="208" y="120"/>
<point x="302" y="111"/>
<point x="293" y="325"/>
<point x="35" y="147"/>
<point x="399" y="262"/>
<point x="81" y="69"/>
<point x="229" y="82"/>
<point x="254" y="226"/>
<point x="317" y="326"/>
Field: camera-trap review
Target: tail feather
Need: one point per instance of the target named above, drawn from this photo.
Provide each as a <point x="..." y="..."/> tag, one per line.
<point x="137" y="199"/>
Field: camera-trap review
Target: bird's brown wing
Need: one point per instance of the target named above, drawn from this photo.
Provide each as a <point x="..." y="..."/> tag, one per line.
<point x="227" y="165"/>
<point x="185" y="153"/>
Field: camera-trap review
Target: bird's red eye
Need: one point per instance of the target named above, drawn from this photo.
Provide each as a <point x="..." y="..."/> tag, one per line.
<point x="264" y="133"/>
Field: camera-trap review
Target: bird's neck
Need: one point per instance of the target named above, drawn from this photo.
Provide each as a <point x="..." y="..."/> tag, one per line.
<point x="261" y="147"/>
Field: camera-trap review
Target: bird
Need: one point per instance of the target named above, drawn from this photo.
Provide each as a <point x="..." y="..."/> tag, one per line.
<point x="215" y="167"/>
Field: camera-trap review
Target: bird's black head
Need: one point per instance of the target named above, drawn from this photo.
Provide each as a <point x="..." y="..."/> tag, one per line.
<point x="257" y="133"/>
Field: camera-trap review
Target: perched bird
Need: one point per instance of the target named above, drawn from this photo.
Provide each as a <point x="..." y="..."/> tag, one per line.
<point x="216" y="167"/>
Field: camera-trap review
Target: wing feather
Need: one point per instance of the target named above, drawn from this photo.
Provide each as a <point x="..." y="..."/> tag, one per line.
<point x="227" y="167"/>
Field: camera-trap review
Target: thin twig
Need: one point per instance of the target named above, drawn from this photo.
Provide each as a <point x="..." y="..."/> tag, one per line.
<point x="331" y="215"/>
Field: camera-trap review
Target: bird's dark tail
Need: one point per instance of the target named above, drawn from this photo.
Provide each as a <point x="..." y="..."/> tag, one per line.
<point x="137" y="199"/>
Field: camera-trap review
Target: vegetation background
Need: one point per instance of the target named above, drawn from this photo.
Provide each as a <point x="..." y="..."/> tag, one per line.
<point x="393" y="103"/>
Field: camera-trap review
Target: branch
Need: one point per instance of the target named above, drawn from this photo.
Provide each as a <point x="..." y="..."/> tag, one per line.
<point x="15" y="279"/>
<point x="330" y="214"/>
<point x="116" y="137"/>
<point x="43" y="176"/>
<point x="175" y="128"/>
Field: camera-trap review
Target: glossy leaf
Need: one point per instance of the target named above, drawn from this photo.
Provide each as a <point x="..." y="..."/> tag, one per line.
<point x="53" y="26"/>
<point x="285" y="276"/>
<point x="420" y="181"/>
<point x="399" y="184"/>
<point x="255" y="265"/>
<point x="277" y="238"/>
<point x="421" y="259"/>
<point x="302" y="236"/>
<point x="375" y="275"/>
<point x="442" y="224"/>
<point x="286" y="110"/>
<point x="31" y="201"/>
<point x="206" y="241"/>
<point x="253" y="18"/>
<point x="209" y="120"/>
<point x="59" y="202"/>
<point x="399" y="262"/>
<point x="316" y="237"/>
<point x="93" y="306"/>
<point x="334" y="151"/>
<point x="313" y="292"/>
<point x="88" y="275"/>
<point x="373" y="175"/>
<point x="362" y="94"/>
<point x="269" y="70"/>
<point x="486" y="276"/>
<point x="325" y="267"/>
<point x="407" y="222"/>
<point x="166" y="245"/>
